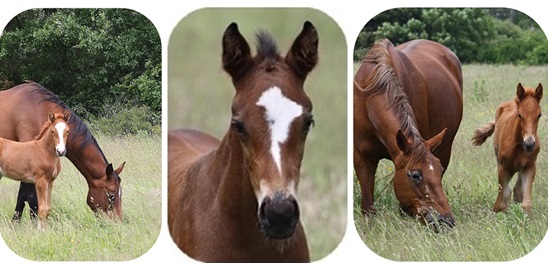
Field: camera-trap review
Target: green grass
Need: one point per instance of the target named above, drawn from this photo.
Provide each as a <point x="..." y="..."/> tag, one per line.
<point x="74" y="233"/>
<point x="200" y="95"/>
<point x="471" y="186"/>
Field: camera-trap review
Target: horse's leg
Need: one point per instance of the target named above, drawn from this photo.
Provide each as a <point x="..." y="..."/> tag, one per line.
<point x="32" y="200"/>
<point x="43" y="210"/>
<point x="525" y="181"/>
<point x="20" y="204"/>
<point x="505" y="192"/>
<point x="365" y="171"/>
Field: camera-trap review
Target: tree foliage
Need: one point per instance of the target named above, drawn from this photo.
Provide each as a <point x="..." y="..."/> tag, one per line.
<point x="475" y="35"/>
<point x="88" y="57"/>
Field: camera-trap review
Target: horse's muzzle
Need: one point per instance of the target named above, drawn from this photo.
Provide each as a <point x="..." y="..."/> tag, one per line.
<point x="61" y="152"/>
<point x="279" y="216"/>
<point x="440" y="222"/>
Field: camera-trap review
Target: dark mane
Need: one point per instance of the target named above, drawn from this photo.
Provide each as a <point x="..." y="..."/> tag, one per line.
<point x="79" y="127"/>
<point x="267" y="49"/>
<point x="384" y="80"/>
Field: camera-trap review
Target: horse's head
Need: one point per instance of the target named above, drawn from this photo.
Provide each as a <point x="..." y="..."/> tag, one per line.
<point x="271" y="116"/>
<point x="417" y="181"/>
<point x="59" y="131"/>
<point x="529" y="112"/>
<point x="105" y="194"/>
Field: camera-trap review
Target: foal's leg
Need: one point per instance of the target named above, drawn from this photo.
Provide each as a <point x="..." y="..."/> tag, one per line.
<point x="505" y="192"/>
<point x="365" y="171"/>
<point x="525" y="187"/>
<point x="43" y="207"/>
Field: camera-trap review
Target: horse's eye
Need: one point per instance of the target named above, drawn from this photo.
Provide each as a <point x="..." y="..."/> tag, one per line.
<point x="238" y="125"/>
<point x="416" y="176"/>
<point x="519" y="115"/>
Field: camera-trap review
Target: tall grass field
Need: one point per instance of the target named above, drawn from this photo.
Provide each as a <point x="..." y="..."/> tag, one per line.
<point x="74" y="232"/>
<point x="470" y="184"/>
<point x="200" y="96"/>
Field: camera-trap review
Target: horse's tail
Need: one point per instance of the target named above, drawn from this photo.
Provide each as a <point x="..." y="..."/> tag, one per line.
<point x="482" y="133"/>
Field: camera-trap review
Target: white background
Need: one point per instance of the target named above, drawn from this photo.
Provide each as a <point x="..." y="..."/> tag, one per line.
<point x="351" y="17"/>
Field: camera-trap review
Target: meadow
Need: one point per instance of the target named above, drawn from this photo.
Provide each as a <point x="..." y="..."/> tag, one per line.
<point x="470" y="184"/>
<point x="200" y="95"/>
<point x="74" y="232"/>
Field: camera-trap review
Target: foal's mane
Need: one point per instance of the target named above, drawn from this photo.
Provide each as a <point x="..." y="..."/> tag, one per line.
<point x="79" y="127"/>
<point x="267" y="49"/>
<point x="46" y="127"/>
<point x="384" y="80"/>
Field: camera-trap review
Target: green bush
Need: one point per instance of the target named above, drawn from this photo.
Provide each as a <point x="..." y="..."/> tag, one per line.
<point x="120" y="119"/>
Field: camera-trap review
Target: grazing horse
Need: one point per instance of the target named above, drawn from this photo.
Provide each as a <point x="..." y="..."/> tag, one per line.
<point x="20" y="120"/>
<point x="37" y="161"/>
<point x="516" y="144"/>
<point x="408" y="108"/>
<point x="235" y="199"/>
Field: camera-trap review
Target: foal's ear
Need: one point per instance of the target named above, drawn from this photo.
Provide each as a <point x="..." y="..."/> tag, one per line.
<point x="303" y="55"/>
<point x="436" y="140"/>
<point x="520" y="94"/>
<point x="51" y="116"/>
<point x="66" y="115"/>
<point x="538" y="92"/>
<point x="236" y="53"/>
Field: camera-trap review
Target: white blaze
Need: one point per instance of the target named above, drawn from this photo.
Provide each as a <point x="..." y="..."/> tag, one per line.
<point x="280" y="113"/>
<point x="60" y="130"/>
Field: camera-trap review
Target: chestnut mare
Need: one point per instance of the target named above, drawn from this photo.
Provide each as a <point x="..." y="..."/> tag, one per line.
<point x="234" y="200"/>
<point x="37" y="161"/>
<point x="516" y="144"/>
<point x="20" y="120"/>
<point x="408" y="108"/>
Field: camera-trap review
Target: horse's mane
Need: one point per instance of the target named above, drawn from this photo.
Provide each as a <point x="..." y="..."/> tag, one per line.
<point x="79" y="127"/>
<point x="384" y="80"/>
<point x="267" y="49"/>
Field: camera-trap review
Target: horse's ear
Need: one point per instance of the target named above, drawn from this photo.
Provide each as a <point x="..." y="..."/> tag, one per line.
<point x="403" y="143"/>
<point x="520" y="93"/>
<point x="109" y="170"/>
<point x="303" y="55"/>
<point x="236" y="52"/>
<point x="538" y="92"/>
<point x="120" y="168"/>
<point x="436" y="140"/>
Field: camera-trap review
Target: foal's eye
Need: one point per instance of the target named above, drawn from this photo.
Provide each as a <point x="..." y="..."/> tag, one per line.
<point x="519" y="115"/>
<point x="238" y="126"/>
<point x="416" y="176"/>
<point x="308" y="122"/>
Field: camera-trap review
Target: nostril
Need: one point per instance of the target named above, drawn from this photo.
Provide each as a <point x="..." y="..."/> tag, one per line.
<point x="279" y="216"/>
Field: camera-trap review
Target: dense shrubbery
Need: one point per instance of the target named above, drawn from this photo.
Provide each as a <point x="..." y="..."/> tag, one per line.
<point x="88" y="57"/>
<point x="496" y="36"/>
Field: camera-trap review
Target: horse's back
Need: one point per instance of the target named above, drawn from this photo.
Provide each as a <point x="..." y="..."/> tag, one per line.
<point x="19" y="112"/>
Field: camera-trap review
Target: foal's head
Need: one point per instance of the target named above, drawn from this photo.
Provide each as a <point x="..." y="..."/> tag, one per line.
<point x="529" y="112"/>
<point x="57" y="125"/>
<point x="271" y="116"/>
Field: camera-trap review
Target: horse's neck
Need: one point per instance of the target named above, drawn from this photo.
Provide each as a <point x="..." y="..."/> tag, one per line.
<point x="386" y="123"/>
<point x="90" y="161"/>
<point x="234" y="190"/>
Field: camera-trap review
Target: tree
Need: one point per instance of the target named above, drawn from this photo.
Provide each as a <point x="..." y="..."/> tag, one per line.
<point x="88" y="57"/>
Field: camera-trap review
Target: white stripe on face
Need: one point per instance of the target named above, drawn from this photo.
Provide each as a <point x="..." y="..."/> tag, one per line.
<point x="280" y="113"/>
<point x="60" y="131"/>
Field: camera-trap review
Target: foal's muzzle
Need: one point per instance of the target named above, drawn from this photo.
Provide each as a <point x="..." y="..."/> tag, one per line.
<point x="279" y="216"/>
<point x="529" y="144"/>
<point x="61" y="152"/>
